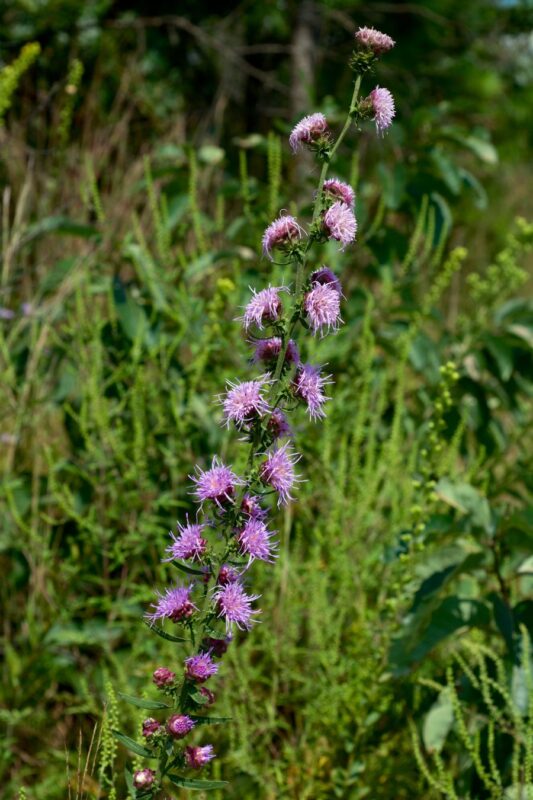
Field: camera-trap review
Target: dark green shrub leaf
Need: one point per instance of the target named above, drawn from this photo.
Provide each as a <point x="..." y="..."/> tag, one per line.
<point x="438" y="723"/>
<point x="132" y="745"/>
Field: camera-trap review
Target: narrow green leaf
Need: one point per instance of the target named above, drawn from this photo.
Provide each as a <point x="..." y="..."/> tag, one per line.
<point x="210" y="720"/>
<point x="187" y="569"/>
<point x="164" y="635"/>
<point x="132" y="745"/>
<point x="140" y="703"/>
<point x="191" y="783"/>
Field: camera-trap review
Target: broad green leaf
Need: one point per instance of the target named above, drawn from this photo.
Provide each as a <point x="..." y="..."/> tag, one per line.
<point x="141" y="703"/>
<point x="191" y="783"/>
<point x="438" y="722"/>
<point x="132" y="745"/>
<point x="467" y="500"/>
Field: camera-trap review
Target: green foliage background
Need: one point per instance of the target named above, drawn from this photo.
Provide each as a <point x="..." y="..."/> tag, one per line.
<point x="142" y="154"/>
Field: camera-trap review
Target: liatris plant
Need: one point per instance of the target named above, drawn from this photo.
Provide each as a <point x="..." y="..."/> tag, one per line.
<point x="231" y="529"/>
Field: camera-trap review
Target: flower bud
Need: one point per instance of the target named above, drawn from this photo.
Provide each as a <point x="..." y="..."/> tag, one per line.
<point x="150" y="726"/>
<point x="163" y="677"/>
<point x="143" y="778"/>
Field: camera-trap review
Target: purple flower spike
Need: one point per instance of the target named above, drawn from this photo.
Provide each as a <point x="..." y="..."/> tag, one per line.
<point x="326" y="276"/>
<point x="308" y="385"/>
<point x="244" y="402"/>
<point x="374" y="40"/>
<point x="235" y="606"/>
<point x="268" y="350"/>
<point x="284" y="231"/>
<point x="322" y="305"/>
<point x="175" y="604"/>
<point x="163" y="677"/>
<point x="189" y="544"/>
<point x="339" y="190"/>
<point x="308" y="131"/>
<point x="198" y="757"/>
<point x="255" y="541"/>
<point x="179" y="725"/>
<point x="150" y="726"/>
<point x="264" y="307"/>
<point x="217" y="483"/>
<point x="340" y="223"/>
<point x="278" y="471"/>
<point x="143" y="778"/>
<point x="383" y="108"/>
<point x="199" y="668"/>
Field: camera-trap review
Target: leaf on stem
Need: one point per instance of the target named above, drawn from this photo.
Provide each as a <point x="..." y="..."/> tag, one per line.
<point x="132" y="745"/>
<point x="141" y="703"/>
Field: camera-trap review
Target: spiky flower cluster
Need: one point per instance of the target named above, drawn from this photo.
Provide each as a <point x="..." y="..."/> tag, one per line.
<point x="229" y="529"/>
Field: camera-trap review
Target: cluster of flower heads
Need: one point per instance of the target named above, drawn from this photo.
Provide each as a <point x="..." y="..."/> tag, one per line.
<point x="235" y="506"/>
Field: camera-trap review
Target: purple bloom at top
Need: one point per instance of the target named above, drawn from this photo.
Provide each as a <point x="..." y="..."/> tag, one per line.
<point x="278" y="471"/>
<point x="244" y="402"/>
<point x="308" y="131"/>
<point x="255" y="540"/>
<point x="199" y="668"/>
<point x="268" y="350"/>
<point x="282" y="232"/>
<point x="217" y="483"/>
<point x="322" y="305"/>
<point x="325" y="276"/>
<point x="190" y="542"/>
<point x="383" y="109"/>
<point x="235" y="605"/>
<point x="197" y="757"/>
<point x="340" y="223"/>
<point x="265" y="306"/>
<point x="339" y="190"/>
<point x="175" y="604"/>
<point x="374" y="40"/>
<point x="308" y="385"/>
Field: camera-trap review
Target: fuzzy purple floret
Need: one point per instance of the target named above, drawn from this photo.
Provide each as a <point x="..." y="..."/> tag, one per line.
<point x="322" y="305"/>
<point x="179" y="725"/>
<point x="374" y="40"/>
<point x="280" y="233"/>
<point x="198" y="757"/>
<point x="268" y="350"/>
<point x="308" y="384"/>
<point x="235" y="606"/>
<point x="175" y="605"/>
<point x="308" y="131"/>
<point x="278" y="471"/>
<point x="264" y="307"/>
<point x="217" y="483"/>
<point x="244" y="402"/>
<point x="383" y="108"/>
<point x="340" y="223"/>
<point x="255" y="541"/>
<point x="339" y="190"/>
<point x="199" y="668"/>
<point x="143" y="778"/>
<point x="189" y="544"/>
<point x="325" y="276"/>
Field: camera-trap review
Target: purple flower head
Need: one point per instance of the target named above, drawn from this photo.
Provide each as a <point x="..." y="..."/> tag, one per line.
<point x="326" y="276"/>
<point x="283" y="232"/>
<point x="268" y="350"/>
<point x="175" y="604"/>
<point x="278" y="471"/>
<point x="163" y="677"/>
<point x="322" y="305"/>
<point x="339" y="190"/>
<point x="150" y="726"/>
<point x="265" y="306"/>
<point x="210" y="696"/>
<point x="227" y="575"/>
<point x="308" y="385"/>
<point x="278" y="425"/>
<point x="179" y="725"/>
<point x="235" y="605"/>
<point x="340" y="223"/>
<point x="216" y="646"/>
<point x="244" y="402"/>
<point x="374" y="40"/>
<point x="199" y="668"/>
<point x="217" y="483"/>
<point x="382" y="103"/>
<point x="198" y="757"/>
<point x="308" y="131"/>
<point x="143" y="778"/>
<point x="250" y="505"/>
<point x="255" y="541"/>
<point x="189" y="544"/>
